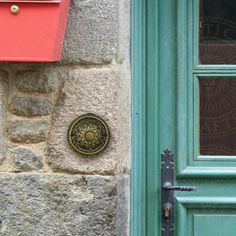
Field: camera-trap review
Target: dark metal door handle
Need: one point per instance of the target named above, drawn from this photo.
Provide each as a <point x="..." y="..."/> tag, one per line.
<point x="169" y="187"/>
<point x="168" y="192"/>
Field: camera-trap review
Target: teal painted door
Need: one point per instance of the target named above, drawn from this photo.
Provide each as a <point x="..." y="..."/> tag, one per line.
<point x="191" y="103"/>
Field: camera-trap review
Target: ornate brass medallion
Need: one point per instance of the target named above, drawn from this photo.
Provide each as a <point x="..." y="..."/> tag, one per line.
<point x="88" y="135"/>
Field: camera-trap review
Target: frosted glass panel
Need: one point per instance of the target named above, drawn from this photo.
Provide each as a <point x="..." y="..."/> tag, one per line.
<point x="217" y="116"/>
<point x="217" y="29"/>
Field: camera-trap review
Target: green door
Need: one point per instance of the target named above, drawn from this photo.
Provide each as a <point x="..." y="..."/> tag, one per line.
<point x="187" y="105"/>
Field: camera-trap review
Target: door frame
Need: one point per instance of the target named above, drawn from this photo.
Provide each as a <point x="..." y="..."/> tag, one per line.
<point x="149" y="107"/>
<point x="144" y="220"/>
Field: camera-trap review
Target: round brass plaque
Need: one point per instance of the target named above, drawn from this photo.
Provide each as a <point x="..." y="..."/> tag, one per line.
<point x="88" y="135"/>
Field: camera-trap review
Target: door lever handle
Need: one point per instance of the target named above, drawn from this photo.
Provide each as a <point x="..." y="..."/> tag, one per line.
<point x="169" y="187"/>
<point x="168" y="192"/>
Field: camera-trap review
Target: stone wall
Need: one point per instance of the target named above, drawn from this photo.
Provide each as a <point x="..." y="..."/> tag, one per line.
<point x="45" y="187"/>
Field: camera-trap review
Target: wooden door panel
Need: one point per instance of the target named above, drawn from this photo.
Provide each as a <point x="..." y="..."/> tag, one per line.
<point x="215" y="224"/>
<point x="205" y="216"/>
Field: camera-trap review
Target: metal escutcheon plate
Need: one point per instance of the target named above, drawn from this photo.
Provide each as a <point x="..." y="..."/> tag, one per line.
<point x="88" y="135"/>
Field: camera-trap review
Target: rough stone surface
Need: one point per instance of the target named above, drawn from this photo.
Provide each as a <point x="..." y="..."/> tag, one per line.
<point x="86" y="91"/>
<point x="52" y="198"/>
<point x="123" y="209"/>
<point x="94" y="31"/>
<point x="27" y="131"/>
<point x="36" y="81"/>
<point x="124" y="120"/>
<point x="61" y="205"/>
<point x="30" y="106"/>
<point x="25" y="159"/>
<point x="3" y="98"/>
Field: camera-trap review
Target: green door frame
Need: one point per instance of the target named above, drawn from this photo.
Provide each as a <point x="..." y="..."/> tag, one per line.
<point x="153" y="31"/>
<point x="144" y="16"/>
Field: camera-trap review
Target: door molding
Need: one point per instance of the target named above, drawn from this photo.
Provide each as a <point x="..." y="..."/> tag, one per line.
<point x="145" y="218"/>
<point x="153" y="113"/>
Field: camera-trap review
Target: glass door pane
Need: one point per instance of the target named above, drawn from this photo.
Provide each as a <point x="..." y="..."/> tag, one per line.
<point x="217" y="30"/>
<point x="217" y="116"/>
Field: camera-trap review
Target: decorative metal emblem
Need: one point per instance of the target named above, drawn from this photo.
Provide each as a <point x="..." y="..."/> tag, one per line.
<point x="88" y="135"/>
